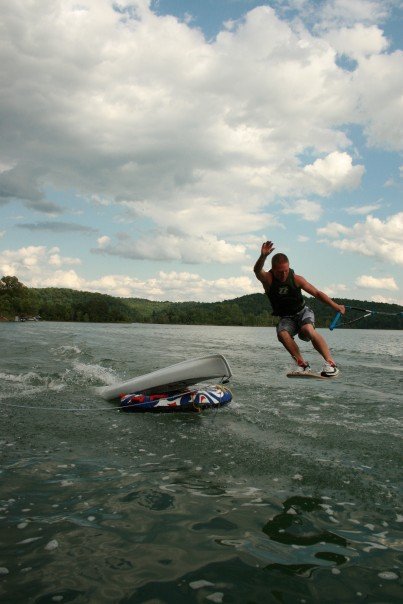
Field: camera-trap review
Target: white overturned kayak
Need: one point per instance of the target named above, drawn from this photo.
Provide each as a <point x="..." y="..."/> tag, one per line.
<point x="173" y="378"/>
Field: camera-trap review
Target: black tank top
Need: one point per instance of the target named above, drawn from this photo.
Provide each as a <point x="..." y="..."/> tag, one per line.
<point x="285" y="298"/>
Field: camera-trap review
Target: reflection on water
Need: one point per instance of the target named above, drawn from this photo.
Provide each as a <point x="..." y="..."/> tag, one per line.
<point x="296" y="526"/>
<point x="291" y="493"/>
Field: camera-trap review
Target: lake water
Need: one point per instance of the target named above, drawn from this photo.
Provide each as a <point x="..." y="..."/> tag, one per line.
<point x="290" y="494"/>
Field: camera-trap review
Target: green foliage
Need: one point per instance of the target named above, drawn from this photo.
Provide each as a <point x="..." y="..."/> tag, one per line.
<point x="61" y="304"/>
<point x="16" y="298"/>
<point x="11" y="284"/>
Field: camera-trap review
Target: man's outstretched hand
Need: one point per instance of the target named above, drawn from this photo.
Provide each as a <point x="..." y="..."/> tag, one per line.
<point x="267" y="248"/>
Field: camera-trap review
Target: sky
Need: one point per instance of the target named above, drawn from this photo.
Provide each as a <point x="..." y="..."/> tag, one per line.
<point x="149" y="148"/>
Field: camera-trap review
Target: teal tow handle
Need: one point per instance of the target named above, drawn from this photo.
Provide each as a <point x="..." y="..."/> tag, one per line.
<point x="335" y="321"/>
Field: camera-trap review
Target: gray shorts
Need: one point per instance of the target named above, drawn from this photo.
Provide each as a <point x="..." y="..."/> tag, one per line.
<point x="294" y="323"/>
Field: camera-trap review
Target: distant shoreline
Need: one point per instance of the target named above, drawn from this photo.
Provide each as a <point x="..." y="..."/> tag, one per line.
<point x="252" y="310"/>
<point x="8" y="321"/>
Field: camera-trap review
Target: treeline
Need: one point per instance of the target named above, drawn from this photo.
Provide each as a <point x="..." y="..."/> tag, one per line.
<point x="62" y="304"/>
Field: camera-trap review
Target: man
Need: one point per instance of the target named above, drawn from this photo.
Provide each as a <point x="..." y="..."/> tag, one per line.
<point x="283" y="287"/>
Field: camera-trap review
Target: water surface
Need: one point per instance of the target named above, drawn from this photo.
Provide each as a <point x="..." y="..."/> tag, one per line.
<point x="290" y="494"/>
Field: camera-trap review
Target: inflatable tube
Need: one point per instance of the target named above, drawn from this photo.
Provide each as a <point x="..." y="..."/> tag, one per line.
<point x="189" y="400"/>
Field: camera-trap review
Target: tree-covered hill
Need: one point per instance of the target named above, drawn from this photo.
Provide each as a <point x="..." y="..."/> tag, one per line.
<point x="62" y="304"/>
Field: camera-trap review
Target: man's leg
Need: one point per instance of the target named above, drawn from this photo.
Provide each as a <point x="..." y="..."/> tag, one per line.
<point x="289" y="344"/>
<point x="318" y="341"/>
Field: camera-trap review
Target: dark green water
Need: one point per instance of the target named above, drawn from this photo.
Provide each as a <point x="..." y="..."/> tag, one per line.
<point x="290" y="494"/>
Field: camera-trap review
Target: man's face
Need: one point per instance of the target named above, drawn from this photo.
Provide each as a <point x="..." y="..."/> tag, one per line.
<point x="280" y="271"/>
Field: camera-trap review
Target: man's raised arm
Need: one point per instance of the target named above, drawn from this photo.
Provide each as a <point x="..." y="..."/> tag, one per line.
<point x="267" y="249"/>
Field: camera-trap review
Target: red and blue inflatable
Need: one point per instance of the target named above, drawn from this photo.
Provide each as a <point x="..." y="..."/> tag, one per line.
<point x="210" y="397"/>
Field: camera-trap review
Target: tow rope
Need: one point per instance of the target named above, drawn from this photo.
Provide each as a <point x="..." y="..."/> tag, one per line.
<point x="338" y="322"/>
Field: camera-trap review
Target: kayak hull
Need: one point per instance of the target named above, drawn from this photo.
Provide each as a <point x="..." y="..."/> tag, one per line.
<point x="173" y="379"/>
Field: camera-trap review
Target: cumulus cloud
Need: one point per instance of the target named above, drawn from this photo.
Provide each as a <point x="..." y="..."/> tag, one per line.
<point x="379" y="106"/>
<point x="333" y="172"/>
<point x="58" y="278"/>
<point x="32" y="261"/>
<point x="308" y="210"/>
<point x="369" y="282"/>
<point x="348" y="12"/>
<point x="149" y="110"/>
<point x="337" y="290"/>
<point x="190" y="286"/>
<point x="188" y="248"/>
<point x="196" y="139"/>
<point x="374" y="238"/>
<point x="333" y="230"/>
<point x="386" y="299"/>
<point x="39" y="266"/>
<point x="200" y="217"/>
<point x="358" y="41"/>
<point x="56" y="260"/>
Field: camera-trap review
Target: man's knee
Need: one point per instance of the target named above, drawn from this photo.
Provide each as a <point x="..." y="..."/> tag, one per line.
<point x="307" y="332"/>
<point x="283" y="335"/>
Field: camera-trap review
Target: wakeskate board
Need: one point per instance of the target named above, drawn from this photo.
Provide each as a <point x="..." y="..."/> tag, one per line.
<point x="311" y="374"/>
